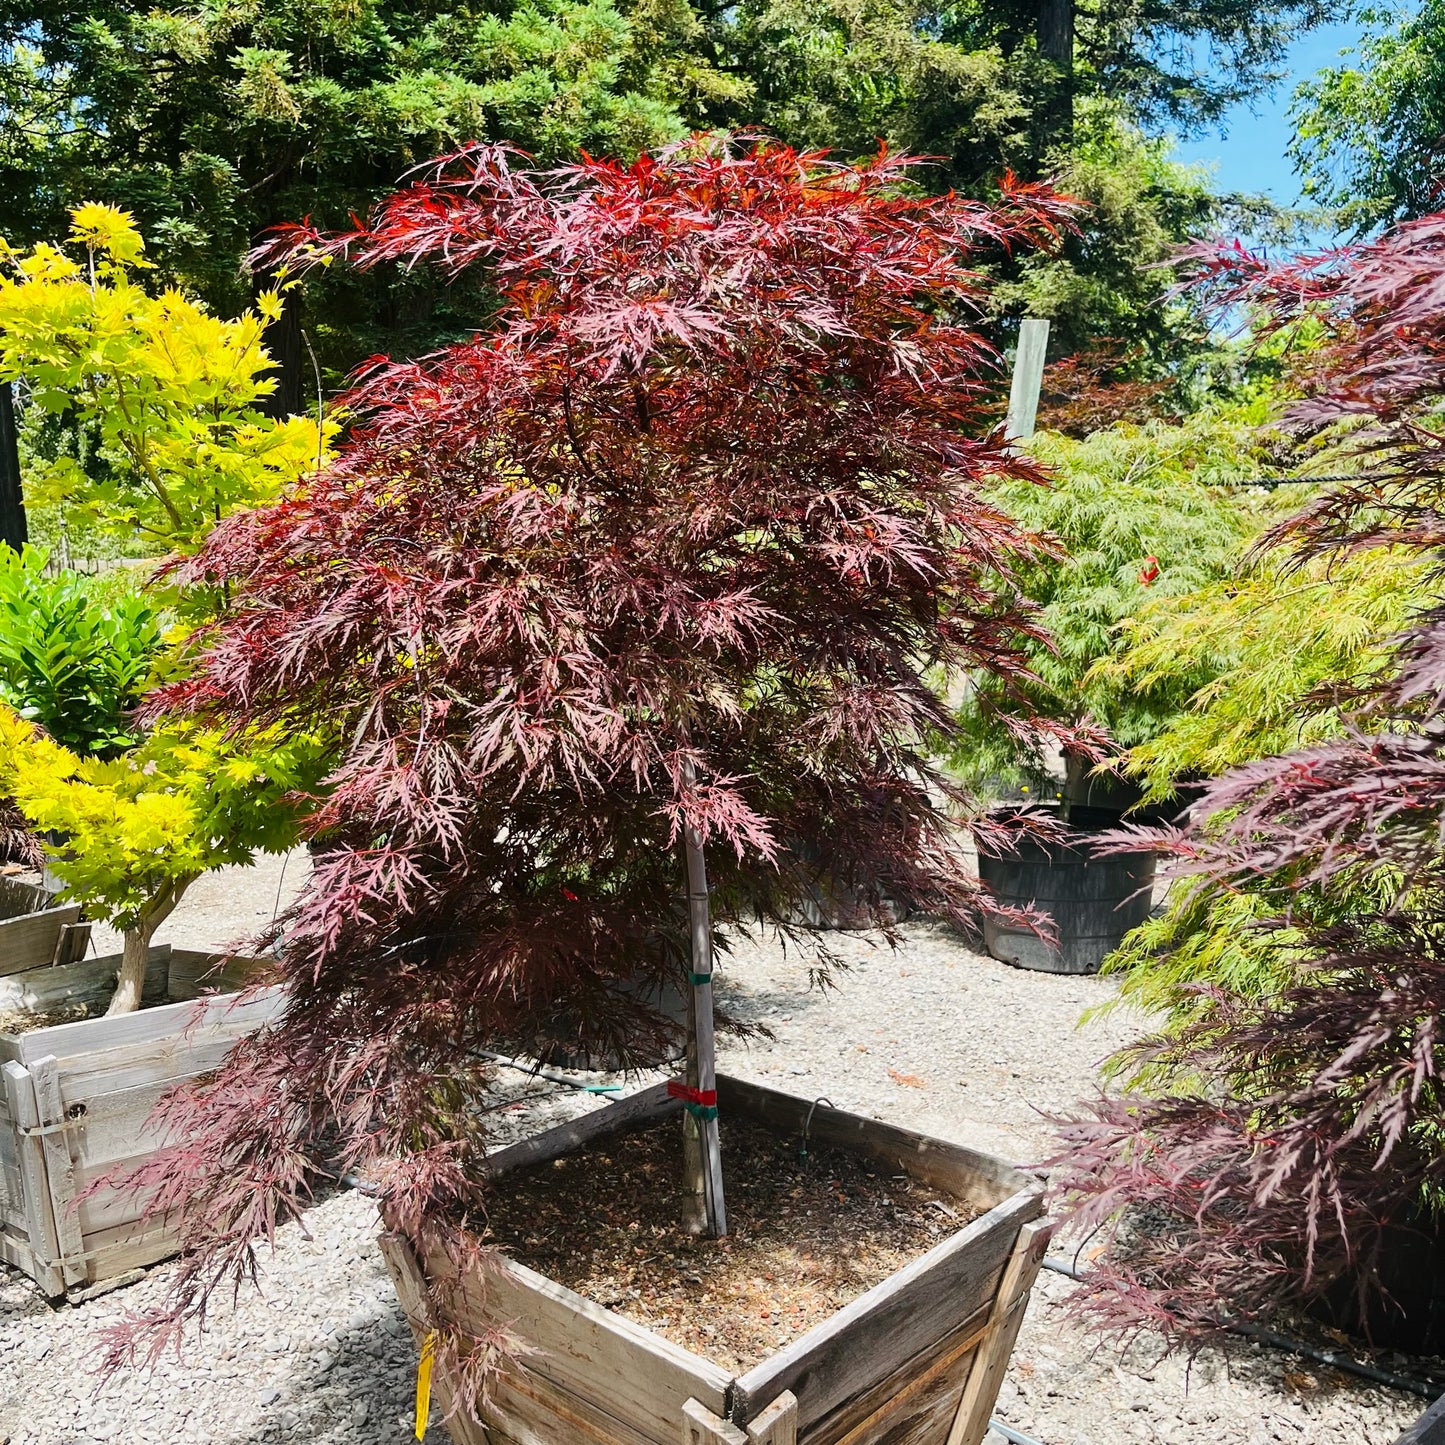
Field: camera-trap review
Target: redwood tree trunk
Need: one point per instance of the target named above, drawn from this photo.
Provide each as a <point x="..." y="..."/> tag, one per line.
<point x="1056" y="44"/>
<point x="282" y="339"/>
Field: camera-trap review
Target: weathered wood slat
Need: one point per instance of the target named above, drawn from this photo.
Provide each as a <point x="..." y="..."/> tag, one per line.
<point x="18" y="899"/>
<point x="30" y="941"/>
<point x="1429" y="1429"/>
<point x="106" y="1129"/>
<point x="639" y="1108"/>
<point x="971" y="1423"/>
<point x="701" y="1427"/>
<point x="71" y="945"/>
<point x="59" y="1169"/>
<point x="939" y="1372"/>
<point x="592" y="1352"/>
<point x="978" y="1178"/>
<point x="890" y="1324"/>
<point x="39" y="1222"/>
<point x="192" y="974"/>
<point x="90" y="981"/>
<point x="130" y="1245"/>
<point x="778" y="1423"/>
<point x="15" y="1249"/>
<point x="411" y="1294"/>
<point x="165" y="1027"/>
<point x="526" y="1409"/>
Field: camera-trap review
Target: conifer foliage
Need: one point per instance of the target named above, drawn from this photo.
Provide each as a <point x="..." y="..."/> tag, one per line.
<point x="707" y="497"/>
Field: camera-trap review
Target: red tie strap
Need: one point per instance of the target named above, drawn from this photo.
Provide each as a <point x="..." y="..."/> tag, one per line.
<point x="701" y="1103"/>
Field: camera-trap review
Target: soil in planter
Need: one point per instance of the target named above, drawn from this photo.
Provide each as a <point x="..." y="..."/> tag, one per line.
<point x="22" y="1021"/>
<point x="805" y="1238"/>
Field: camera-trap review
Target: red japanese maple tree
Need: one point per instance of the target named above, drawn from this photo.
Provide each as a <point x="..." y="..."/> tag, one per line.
<point x="703" y="500"/>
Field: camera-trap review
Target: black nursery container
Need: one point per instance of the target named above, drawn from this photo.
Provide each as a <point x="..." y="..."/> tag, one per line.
<point x="1092" y="901"/>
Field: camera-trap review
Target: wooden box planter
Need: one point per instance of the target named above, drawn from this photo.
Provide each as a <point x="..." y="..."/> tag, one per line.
<point x="74" y="1103"/>
<point x="35" y="930"/>
<point x="916" y="1360"/>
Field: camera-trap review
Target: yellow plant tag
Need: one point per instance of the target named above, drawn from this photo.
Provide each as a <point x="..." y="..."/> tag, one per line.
<point x="423" y="1382"/>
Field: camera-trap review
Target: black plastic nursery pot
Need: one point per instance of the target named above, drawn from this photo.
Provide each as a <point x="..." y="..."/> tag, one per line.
<point x="1092" y="901"/>
<point x="1408" y="1313"/>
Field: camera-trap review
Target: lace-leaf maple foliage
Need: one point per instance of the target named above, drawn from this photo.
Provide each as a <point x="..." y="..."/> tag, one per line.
<point x="710" y="490"/>
<point x="1297" y="1132"/>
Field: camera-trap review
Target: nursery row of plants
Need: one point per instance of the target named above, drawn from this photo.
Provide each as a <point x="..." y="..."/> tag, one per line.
<point x="673" y="573"/>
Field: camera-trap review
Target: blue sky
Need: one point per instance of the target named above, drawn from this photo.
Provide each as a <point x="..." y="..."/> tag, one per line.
<point x="1251" y="155"/>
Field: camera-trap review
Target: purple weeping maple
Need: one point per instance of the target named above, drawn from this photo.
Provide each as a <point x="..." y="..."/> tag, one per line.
<point x="705" y="498"/>
<point x="1304" y="1138"/>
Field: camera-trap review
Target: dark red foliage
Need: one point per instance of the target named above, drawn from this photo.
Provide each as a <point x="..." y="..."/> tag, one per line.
<point x="1319" y="1130"/>
<point x="18" y="844"/>
<point x="1094" y="389"/>
<point x="709" y="493"/>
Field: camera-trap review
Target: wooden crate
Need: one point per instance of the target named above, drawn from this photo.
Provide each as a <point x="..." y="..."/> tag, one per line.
<point x="917" y="1360"/>
<point x="74" y="1105"/>
<point x="35" y="930"/>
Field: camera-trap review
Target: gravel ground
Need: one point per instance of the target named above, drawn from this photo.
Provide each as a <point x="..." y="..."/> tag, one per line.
<point x="933" y="1036"/>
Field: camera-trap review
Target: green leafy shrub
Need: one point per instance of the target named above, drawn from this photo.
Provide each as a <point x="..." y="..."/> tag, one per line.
<point x="1281" y="648"/>
<point x="1142" y="516"/>
<point x="75" y="652"/>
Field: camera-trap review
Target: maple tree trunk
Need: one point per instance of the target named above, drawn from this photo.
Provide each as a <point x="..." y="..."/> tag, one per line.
<point x="135" y="954"/>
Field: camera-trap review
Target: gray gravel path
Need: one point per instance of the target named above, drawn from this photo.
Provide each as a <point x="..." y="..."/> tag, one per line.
<point x="934" y="1036"/>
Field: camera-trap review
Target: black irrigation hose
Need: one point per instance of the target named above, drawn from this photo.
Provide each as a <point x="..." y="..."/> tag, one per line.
<point x="1293" y="1346"/>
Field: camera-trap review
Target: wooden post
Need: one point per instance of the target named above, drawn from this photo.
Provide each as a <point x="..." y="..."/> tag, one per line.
<point x="59" y="1169"/>
<point x="990" y="1362"/>
<point x="12" y="503"/>
<point x="39" y="1218"/>
<point x="700" y="1031"/>
<point x="701" y="1427"/>
<point x="1028" y="379"/>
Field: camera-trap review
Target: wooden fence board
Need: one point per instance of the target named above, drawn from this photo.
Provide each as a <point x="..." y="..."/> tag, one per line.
<point x="91" y="981"/>
<point x="592" y="1352"/>
<point x="979" y="1178"/>
<point x="30" y="941"/>
<point x="651" y="1103"/>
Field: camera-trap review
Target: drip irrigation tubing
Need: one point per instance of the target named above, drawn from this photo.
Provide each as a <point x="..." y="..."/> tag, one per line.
<point x="1277" y="1341"/>
<point x="1014" y="1437"/>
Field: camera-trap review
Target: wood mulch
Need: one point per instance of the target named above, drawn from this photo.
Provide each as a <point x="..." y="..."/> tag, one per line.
<point x="804" y="1240"/>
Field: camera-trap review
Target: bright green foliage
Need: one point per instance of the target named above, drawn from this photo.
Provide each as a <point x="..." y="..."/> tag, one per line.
<point x="1283" y="649"/>
<point x="1276" y="646"/>
<point x="1368" y="130"/>
<point x="71" y="661"/>
<point x="137" y="830"/>
<point x="1142" y="519"/>
<point x="1216" y="940"/>
<point x="169" y="391"/>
